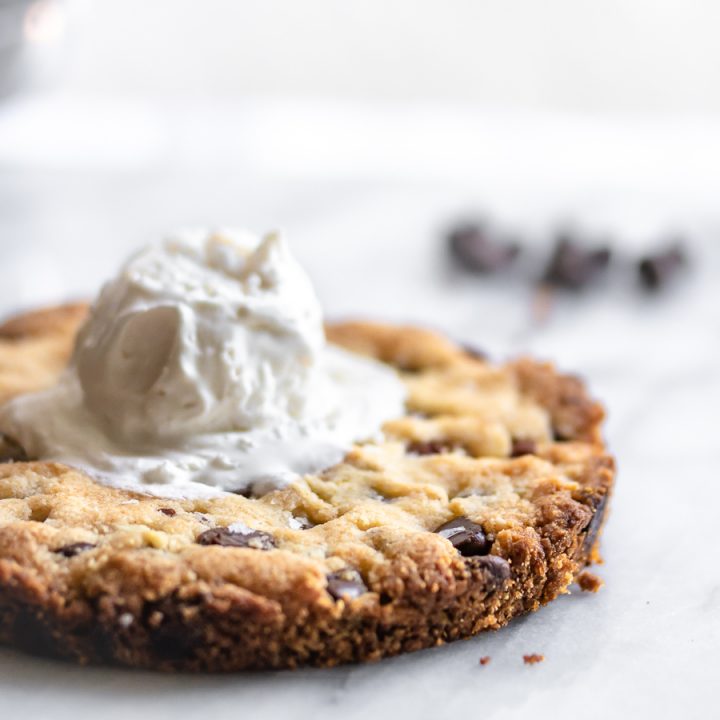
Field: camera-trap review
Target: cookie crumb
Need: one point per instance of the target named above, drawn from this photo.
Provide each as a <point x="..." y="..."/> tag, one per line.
<point x="485" y="660"/>
<point x="589" y="581"/>
<point x="533" y="659"/>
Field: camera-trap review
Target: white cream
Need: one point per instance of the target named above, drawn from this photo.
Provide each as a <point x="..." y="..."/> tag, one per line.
<point x="203" y="368"/>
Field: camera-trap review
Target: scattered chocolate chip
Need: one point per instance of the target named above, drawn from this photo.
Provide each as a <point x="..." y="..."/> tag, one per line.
<point x="485" y="660"/>
<point x="257" y="540"/>
<point x="533" y="659"/>
<point x="657" y="270"/>
<point x="476" y="249"/>
<point x="474" y="352"/>
<point x="346" y="584"/>
<point x="168" y="511"/>
<point x="593" y="527"/>
<point x="522" y="447"/>
<point x="574" y="267"/>
<point x="11" y="451"/>
<point x="430" y="447"/>
<point x="69" y="551"/>
<point x="466" y="536"/>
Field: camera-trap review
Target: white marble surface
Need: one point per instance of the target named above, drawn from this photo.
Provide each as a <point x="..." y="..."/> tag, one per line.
<point x="647" y="644"/>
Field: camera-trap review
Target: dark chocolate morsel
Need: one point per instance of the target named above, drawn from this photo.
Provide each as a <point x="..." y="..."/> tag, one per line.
<point x="476" y="249"/>
<point x="474" y="352"/>
<point x="245" y="492"/>
<point x="168" y="511"/>
<point x="69" y="551"/>
<point x="574" y="267"/>
<point x="346" y="584"/>
<point x="466" y="536"/>
<point x="430" y="447"/>
<point x="522" y="447"/>
<point x="657" y="270"/>
<point x="495" y="569"/>
<point x="593" y="527"/>
<point x="225" y="537"/>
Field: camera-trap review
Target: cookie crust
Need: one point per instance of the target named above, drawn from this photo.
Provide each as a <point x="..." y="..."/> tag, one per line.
<point x="353" y="569"/>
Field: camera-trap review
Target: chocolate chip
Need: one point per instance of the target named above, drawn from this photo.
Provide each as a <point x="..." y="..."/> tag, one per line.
<point x="11" y="451"/>
<point x="476" y="249"/>
<point x="657" y="270"/>
<point x="245" y="492"/>
<point x="574" y="267"/>
<point x="430" y="447"/>
<point x="495" y="569"/>
<point x="593" y="527"/>
<point x="522" y="447"/>
<point x="256" y="539"/>
<point x="490" y="572"/>
<point x="346" y="584"/>
<point x="257" y="489"/>
<point x="466" y="536"/>
<point x="168" y="511"/>
<point x="69" y="551"/>
<point x="474" y="352"/>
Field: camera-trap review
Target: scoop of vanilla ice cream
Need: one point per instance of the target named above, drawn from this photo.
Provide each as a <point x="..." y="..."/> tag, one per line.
<point x="203" y="368"/>
<point x="201" y="335"/>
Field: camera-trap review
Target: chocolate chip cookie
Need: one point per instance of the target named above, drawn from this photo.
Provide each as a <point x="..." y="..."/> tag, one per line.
<point x="481" y="504"/>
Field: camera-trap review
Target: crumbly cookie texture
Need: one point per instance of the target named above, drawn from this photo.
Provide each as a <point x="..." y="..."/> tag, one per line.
<point x="483" y="503"/>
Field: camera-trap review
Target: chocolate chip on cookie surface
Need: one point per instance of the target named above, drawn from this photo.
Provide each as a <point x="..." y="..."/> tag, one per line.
<point x="227" y="537"/>
<point x="466" y="536"/>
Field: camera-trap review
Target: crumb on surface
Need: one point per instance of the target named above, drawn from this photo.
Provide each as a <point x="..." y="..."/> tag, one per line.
<point x="485" y="660"/>
<point x="589" y="581"/>
<point x="533" y="659"/>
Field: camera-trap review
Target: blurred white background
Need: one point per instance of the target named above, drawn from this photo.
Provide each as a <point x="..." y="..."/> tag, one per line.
<point x="122" y="119"/>
<point x="619" y="55"/>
